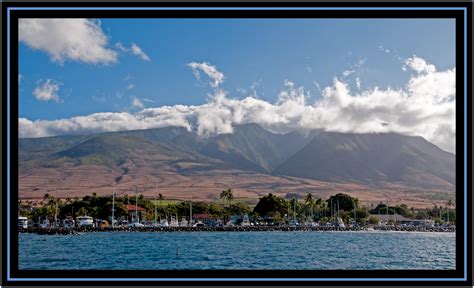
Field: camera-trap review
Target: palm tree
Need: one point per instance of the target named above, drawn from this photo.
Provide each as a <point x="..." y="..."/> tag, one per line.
<point x="223" y="196"/>
<point x="448" y="205"/>
<point x="230" y="196"/>
<point x="45" y="197"/>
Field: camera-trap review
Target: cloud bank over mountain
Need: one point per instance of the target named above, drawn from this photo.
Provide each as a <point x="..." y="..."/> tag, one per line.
<point x="425" y="106"/>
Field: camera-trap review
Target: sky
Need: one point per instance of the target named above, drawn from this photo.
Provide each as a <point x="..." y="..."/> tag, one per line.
<point x="80" y="76"/>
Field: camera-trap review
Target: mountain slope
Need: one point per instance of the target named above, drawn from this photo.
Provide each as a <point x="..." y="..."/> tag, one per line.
<point x="251" y="147"/>
<point x="149" y="156"/>
<point x="372" y="158"/>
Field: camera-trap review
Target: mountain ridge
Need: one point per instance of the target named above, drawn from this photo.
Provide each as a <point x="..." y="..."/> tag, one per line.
<point x="370" y="159"/>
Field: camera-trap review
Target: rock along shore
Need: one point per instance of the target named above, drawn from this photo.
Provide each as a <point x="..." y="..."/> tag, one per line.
<point x="72" y="231"/>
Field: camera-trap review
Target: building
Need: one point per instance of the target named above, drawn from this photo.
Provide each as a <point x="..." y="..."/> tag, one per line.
<point x="133" y="210"/>
<point x="204" y="218"/>
<point x="401" y="220"/>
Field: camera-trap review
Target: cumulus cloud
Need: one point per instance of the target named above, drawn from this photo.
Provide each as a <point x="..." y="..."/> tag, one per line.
<point x="425" y="106"/>
<point x="211" y="71"/>
<point x="47" y="90"/>
<point x="419" y="65"/>
<point x="73" y="39"/>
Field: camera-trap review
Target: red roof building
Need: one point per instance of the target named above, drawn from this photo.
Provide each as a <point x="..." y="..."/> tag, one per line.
<point x="131" y="208"/>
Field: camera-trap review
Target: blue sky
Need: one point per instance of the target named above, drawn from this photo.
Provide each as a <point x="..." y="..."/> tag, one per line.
<point x="88" y="67"/>
<point x="265" y="52"/>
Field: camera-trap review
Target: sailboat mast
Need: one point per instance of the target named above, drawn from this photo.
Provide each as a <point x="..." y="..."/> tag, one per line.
<point x="331" y="211"/>
<point x="294" y="209"/>
<point x="355" y="217"/>
<point x="56" y="210"/>
<point x="155" y="204"/>
<point x="113" y="206"/>
<point x="447" y="210"/>
<point x="190" y="214"/>
<point x="136" y="207"/>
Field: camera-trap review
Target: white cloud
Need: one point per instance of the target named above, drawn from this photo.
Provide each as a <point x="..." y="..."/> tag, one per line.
<point x="136" y="50"/>
<point x="358" y="83"/>
<point x="20" y="77"/>
<point x="47" y="90"/>
<point x="121" y="47"/>
<point x="425" y="107"/>
<point x="211" y="71"/>
<point x="67" y="39"/>
<point x="419" y="65"/>
<point x="347" y="72"/>
<point x="381" y="48"/>
<point x="136" y="103"/>
<point x="130" y="86"/>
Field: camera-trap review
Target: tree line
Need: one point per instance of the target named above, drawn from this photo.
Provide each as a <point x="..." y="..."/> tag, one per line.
<point x="271" y="208"/>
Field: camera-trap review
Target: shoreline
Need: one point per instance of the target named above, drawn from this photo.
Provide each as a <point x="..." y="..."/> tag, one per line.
<point x="76" y="231"/>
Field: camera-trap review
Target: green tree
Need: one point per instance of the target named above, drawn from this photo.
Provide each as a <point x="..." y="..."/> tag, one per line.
<point x="230" y="196"/>
<point x="346" y="202"/>
<point x="239" y="209"/>
<point x="373" y="219"/>
<point x="227" y="195"/>
<point x="309" y="202"/>
<point x="223" y="196"/>
<point x="268" y="205"/>
<point x="216" y="210"/>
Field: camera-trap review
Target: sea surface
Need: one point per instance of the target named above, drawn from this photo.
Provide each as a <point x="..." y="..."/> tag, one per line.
<point x="238" y="250"/>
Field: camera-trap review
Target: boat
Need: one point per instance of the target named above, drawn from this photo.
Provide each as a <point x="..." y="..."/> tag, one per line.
<point x="245" y="221"/>
<point x="199" y="224"/>
<point x="85" y="221"/>
<point x="340" y="223"/>
<point x="164" y="223"/>
<point x="22" y="222"/>
<point x="45" y="224"/>
<point x="294" y="222"/>
<point x="68" y="222"/>
<point x="183" y="222"/>
<point x="136" y="224"/>
<point x="173" y="222"/>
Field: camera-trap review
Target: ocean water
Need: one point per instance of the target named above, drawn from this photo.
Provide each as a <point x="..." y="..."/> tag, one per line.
<point x="238" y="250"/>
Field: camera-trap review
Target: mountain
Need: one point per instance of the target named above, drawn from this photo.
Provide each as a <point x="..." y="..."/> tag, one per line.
<point x="252" y="159"/>
<point x="372" y="158"/>
<point x="251" y="147"/>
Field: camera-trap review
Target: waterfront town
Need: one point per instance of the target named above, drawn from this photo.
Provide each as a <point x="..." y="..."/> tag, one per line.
<point x="340" y="212"/>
